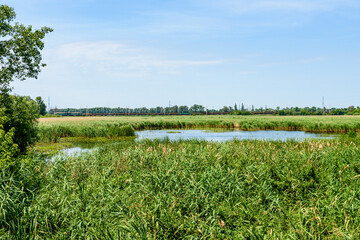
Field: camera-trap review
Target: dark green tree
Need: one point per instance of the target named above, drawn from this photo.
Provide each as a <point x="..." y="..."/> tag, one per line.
<point x="41" y="105"/>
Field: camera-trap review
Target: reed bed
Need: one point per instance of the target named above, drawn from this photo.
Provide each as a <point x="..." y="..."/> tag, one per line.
<point x="191" y="190"/>
<point x="52" y="129"/>
<point x="53" y="133"/>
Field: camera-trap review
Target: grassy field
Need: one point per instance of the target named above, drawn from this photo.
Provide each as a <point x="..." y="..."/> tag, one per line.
<point x="190" y="190"/>
<point x="52" y="129"/>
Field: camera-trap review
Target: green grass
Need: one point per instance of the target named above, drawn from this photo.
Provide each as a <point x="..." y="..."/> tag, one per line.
<point x="51" y="130"/>
<point x="53" y="133"/>
<point x="190" y="190"/>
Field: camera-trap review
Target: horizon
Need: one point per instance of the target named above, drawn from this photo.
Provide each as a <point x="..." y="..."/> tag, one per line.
<point x="143" y="54"/>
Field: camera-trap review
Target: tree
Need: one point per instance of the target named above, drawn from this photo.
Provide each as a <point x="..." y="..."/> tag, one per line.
<point x="20" y="58"/>
<point x="225" y="109"/>
<point x="197" y="108"/>
<point x="42" y="106"/>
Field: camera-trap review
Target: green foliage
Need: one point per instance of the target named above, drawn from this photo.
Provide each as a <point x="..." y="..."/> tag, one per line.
<point x="282" y="113"/>
<point x="42" y="106"/>
<point x="20" y="58"/>
<point x="193" y="190"/>
<point x="352" y="134"/>
<point x="100" y="126"/>
<point x="17" y="189"/>
<point x="20" y="51"/>
<point x="53" y="133"/>
<point x="22" y="114"/>
<point x="8" y="149"/>
<point x="338" y="112"/>
<point x="241" y="113"/>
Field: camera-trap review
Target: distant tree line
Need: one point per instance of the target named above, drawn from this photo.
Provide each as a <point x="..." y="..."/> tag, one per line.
<point x="199" y="109"/>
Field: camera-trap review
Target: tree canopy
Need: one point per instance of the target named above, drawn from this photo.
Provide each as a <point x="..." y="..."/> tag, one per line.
<point x="20" y="58"/>
<point x="20" y="49"/>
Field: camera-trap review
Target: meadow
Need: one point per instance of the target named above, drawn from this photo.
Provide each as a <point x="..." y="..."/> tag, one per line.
<point x="190" y="189"/>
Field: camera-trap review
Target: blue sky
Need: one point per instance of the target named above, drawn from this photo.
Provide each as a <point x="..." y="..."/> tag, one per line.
<point x="210" y="52"/>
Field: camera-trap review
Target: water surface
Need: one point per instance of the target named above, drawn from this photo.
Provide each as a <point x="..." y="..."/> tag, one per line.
<point x="217" y="135"/>
<point x="221" y="136"/>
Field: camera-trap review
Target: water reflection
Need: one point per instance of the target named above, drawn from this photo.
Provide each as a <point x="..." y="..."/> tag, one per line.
<point x="218" y="135"/>
<point x="210" y="135"/>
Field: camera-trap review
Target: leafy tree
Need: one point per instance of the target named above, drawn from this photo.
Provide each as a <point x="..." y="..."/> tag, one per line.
<point x="183" y="109"/>
<point x="225" y="109"/>
<point x="42" y="106"/>
<point x="350" y="109"/>
<point x="197" y="108"/>
<point x="20" y="48"/>
<point x="20" y="58"/>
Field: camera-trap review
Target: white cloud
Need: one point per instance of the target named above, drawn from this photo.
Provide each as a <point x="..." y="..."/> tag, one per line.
<point x="116" y="59"/>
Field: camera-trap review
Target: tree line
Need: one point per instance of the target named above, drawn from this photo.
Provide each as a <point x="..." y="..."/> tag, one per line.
<point x="199" y="109"/>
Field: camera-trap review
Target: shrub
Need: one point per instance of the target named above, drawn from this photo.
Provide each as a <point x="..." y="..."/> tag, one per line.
<point x="21" y="116"/>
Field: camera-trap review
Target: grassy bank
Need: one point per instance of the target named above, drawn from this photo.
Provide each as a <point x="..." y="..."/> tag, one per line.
<point x="54" y="132"/>
<point x="194" y="190"/>
<point x="52" y="129"/>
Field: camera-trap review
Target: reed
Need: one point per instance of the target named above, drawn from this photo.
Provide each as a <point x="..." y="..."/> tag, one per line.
<point x="193" y="190"/>
<point x="52" y="129"/>
<point x="53" y="133"/>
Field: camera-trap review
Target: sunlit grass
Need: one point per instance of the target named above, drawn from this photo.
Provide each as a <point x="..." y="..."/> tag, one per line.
<point x="55" y="128"/>
<point x="197" y="190"/>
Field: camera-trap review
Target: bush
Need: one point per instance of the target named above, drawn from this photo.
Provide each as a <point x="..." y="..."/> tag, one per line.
<point x="8" y="149"/>
<point x="20" y="120"/>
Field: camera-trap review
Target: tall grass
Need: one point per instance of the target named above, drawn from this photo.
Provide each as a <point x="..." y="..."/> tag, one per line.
<point x="109" y="126"/>
<point x="53" y="133"/>
<point x="198" y="190"/>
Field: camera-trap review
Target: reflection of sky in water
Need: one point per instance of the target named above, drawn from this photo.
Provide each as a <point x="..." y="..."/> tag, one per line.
<point x="228" y="135"/>
<point x="207" y="135"/>
<point x="75" y="151"/>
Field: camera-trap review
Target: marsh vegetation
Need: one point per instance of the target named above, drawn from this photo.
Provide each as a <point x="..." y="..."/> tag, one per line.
<point x="162" y="189"/>
<point x="190" y="189"/>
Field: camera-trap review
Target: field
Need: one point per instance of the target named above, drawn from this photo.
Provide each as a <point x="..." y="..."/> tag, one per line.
<point x="191" y="189"/>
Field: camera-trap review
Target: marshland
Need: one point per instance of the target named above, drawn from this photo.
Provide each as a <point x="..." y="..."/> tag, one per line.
<point x="165" y="189"/>
<point x="179" y="119"/>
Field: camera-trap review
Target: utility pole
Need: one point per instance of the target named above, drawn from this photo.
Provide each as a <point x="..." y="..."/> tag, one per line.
<point x="49" y="104"/>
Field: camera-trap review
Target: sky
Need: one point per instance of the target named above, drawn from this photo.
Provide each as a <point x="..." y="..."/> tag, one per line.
<point x="145" y="53"/>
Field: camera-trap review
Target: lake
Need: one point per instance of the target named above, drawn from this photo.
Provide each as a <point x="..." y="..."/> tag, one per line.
<point x="219" y="135"/>
<point x="216" y="135"/>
